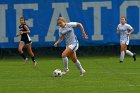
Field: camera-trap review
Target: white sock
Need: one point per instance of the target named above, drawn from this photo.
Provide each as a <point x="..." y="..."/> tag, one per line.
<point x="129" y="53"/>
<point x="78" y="65"/>
<point x="65" y="62"/>
<point x="122" y="55"/>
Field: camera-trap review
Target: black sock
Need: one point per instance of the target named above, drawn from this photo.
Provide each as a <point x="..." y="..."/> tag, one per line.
<point x="33" y="59"/>
<point x="23" y="56"/>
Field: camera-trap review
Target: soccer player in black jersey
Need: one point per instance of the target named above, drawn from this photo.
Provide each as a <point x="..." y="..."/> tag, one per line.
<point x="25" y="40"/>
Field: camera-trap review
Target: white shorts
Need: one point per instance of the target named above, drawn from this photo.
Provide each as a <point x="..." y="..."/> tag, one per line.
<point x="74" y="47"/>
<point x="125" y="41"/>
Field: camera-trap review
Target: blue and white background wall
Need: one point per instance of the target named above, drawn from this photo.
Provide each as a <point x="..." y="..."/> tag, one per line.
<point x="99" y="18"/>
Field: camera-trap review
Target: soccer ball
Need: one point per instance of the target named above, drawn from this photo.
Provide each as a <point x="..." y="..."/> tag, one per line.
<point x="57" y="73"/>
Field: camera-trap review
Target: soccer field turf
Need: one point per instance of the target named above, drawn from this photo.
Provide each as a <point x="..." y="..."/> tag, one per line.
<point x="103" y="75"/>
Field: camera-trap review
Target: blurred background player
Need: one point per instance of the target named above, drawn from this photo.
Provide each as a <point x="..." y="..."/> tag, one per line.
<point x="125" y="30"/>
<point x="66" y="32"/>
<point x="25" y="40"/>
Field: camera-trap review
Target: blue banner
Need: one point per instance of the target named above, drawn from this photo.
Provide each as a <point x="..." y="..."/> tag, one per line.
<point x="99" y="18"/>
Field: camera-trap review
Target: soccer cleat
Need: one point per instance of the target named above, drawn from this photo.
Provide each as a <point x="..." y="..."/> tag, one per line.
<point x="65" y="71"/>
<point x="134" y="56"/>
<point x="35" y="63"/>
<point x="25" y="60"/>
<point x="82" y="72"/>
<point x="121" y="61"/>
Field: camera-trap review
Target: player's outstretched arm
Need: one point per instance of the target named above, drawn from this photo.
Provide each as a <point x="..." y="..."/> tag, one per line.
<point x="58" y="41"/>
<point x="83" y="31"/>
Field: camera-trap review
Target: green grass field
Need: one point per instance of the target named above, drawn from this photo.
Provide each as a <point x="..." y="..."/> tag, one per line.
<point x="103" y="75"/>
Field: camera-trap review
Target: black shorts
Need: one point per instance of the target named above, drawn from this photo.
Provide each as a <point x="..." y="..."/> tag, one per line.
<point x="26" y="41"/>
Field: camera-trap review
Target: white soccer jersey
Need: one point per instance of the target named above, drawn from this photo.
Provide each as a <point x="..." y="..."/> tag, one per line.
<point x="68" y="33"/>
<point x="123" y="30"/>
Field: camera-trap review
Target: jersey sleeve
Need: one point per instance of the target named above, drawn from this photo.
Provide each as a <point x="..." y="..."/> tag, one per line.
<point x="118" y="27"/>
<point x="129" y="27"/>
<point x="72" y="24"/>
<point x="60" y="34"/>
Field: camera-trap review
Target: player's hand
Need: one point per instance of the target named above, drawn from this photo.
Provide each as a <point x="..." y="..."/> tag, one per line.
<point x="128" y="34"/>
<point x="118" y="32"/>
<point x="21" y="32"/>
<point x="85" y="35"/>
<point x="55" y="45"/>
<point x="17" y="35"/>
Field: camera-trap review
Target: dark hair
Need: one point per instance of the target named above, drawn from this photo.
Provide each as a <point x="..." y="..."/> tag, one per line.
<point x="23" y="19"/>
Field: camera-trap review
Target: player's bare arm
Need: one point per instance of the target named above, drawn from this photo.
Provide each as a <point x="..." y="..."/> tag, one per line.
<point x="27" y="30"/>
<point x="83" y="31"/>
<point x="131" y="31"/>
<point x="58" y="41"/>
<point x="21" y="32"/>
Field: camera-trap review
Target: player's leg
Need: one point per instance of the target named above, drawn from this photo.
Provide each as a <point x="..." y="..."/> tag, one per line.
<point x="128" y="52"/>
<point x="73" y="57"/>
<point x="21" y="45"/>
<point x="64" y="55"/>
<point x="29" y="49"/>
<point x="77" y="62"/>
<point x="65" y="62"/>
<point x="122" y="54"/>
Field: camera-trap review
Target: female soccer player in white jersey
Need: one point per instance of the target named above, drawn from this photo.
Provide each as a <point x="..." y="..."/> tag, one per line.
<point x="66" y="32"/>
<point x="125" y="30"/>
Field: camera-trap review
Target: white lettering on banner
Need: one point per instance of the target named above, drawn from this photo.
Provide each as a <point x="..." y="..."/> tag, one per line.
<point x="59" y="9"/>
<point x="97" y="16"/>
<point x="19" y="13"/>
<point x="123" y="12"/>
<point x="3" y="9"/>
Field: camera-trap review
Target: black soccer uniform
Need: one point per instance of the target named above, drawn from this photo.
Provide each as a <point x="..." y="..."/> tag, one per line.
<point x="25" y="37"/>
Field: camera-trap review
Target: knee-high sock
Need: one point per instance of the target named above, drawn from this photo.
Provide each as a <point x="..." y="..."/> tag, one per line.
<point x="65" y="62"/>
<point x="78" y="65"/>
<point x="129" y="53"/>
<point x="23" y="56"/>
<point x="122" y="55"/>
<point x="33" y="59"/>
